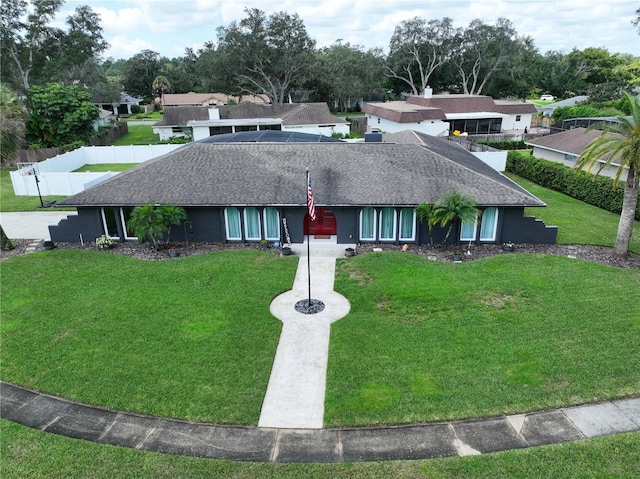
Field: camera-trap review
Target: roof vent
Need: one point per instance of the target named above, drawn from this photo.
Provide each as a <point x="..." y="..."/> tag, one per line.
<point x="373" y="137"/>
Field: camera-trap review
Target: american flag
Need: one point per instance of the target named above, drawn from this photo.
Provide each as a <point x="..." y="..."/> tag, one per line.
<point x="310" y="204"/>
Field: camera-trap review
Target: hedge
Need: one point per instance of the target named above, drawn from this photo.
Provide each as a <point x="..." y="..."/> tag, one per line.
<point x="505" y="144"/>
<point x="595" y="190"/>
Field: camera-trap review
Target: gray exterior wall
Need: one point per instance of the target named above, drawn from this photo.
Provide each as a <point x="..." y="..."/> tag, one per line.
<point x="208" y="225"/>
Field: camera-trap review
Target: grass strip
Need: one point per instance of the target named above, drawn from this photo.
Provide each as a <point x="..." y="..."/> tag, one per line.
<point x="31" y="454"/>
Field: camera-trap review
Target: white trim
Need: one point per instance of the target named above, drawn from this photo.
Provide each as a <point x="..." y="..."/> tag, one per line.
<point x="124" y="226"/>
<point x="105" y="227"/>
<point x="375" y="221"/>
<point x="475" y="228"/>
<point x="246" y="232"/>
<point x="495" y="225"/>
<point x="413" y="227"/>
<point x="226" y="224"/>
<point x="395" y="223"/>
<point x="266" y="230"/>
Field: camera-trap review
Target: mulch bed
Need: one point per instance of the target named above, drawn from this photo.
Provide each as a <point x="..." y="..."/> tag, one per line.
<point x="597" y="254"/>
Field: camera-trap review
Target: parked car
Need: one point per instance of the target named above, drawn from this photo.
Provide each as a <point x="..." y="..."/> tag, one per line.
<point x="547" y="97"/>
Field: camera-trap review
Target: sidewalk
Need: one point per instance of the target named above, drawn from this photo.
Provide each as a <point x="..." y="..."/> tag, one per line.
<point x="244" y="443"/>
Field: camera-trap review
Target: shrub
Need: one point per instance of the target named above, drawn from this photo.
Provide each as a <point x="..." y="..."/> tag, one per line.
<point x="505" y="144"/>
<point x="104" y="242"/>
<point x="595" y="190"/>
<point x="136" y="109"/>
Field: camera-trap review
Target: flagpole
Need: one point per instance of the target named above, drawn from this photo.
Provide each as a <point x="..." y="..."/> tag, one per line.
<point x="308" y="241"/>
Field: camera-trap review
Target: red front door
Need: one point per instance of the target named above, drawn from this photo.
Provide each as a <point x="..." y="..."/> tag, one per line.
<point x="324" y="224"/>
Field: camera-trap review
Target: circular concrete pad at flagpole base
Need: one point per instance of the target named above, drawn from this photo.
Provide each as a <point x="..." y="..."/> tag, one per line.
<point x="336" y="307"/>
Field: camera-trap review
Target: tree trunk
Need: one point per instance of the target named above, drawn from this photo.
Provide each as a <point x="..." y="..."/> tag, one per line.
<point x="627" y="216"/>
<point x="5" y="242"/>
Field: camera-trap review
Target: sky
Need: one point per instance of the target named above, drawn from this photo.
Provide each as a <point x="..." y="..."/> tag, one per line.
<point x="170" y="26"/>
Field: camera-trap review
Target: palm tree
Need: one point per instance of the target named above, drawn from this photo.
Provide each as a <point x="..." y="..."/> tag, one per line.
<point x="425" y="213"/>
<point x="161" y="85"/>
<point x="454" y="207"/>
<point x="619" y="145"/>
<point x="12" y="124"/>
<point x="172" y="215"/>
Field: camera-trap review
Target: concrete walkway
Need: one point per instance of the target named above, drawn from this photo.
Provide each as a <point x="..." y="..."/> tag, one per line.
<point x="31" y="224"/>
<point x="296" y="391"/>
<point x="425" y="441"/>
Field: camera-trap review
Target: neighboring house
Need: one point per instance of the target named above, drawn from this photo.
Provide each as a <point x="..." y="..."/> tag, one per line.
<point x="496" y="159"/>
<point x="104" y="119"/>
<point x="547" y="110"/>
<point x="209" y="99"/>
<point x="364" y="192"/>
<point x="203" y="122"/>
<point x="123" y="107"/>
<point x="438" y="115"/>
<point x="565" y="147"/>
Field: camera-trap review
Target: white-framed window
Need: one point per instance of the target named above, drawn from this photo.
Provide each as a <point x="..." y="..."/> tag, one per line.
<point x="252" y="224"/>
<point x="125" y="215"/>
<point x="468" y="230"/>
<point x="407" y="224"/>
<point x="518" y="117"/>
<point x="109" y="223"/>
<point x="489" y="224"/>
<point x="271" y="224"/>
<point x="232" y="223"/>
<point x="367" y="224"/>
<point x="388" y="224"/>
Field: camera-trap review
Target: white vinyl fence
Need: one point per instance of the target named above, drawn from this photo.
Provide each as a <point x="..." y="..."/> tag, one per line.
<point x="55" y="177"/>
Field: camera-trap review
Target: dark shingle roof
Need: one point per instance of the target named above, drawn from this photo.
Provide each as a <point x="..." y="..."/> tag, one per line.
<point x="569" y="141"/>
<point x="269" y="136"/>
<point x="274" y="174"/>
<point x="180" y="115"/>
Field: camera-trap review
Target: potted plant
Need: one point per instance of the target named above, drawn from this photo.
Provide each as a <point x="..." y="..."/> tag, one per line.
<point x="104" y="242"/>
<point x="286" y="251"/>
<point x="508" y="246"/>
<point x="263" y="244"/>
<point x="173" y="253"/>
<point x="348" y="252"/>
<point x="457" y="257"/>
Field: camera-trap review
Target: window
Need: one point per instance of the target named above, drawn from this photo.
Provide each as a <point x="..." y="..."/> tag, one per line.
<point x="407" y="224"/>
<point x="468" y="230"/>
<point x="232" y="223"/>
<point x="368" y="224"/>
<point x="252" y="224"/>
<point x="219" y="130"/>
<point x="125" y="216"/>
<point x="271" y="224"/>
<point x="109" y="224"/>
<point x="246" y="128"/>
<point x="518" y="117"/>
<point x="388" y="224"/>
<point x="488" y="225"/>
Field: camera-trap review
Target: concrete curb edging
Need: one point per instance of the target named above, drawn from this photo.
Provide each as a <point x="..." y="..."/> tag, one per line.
<point x="246" y="443"/>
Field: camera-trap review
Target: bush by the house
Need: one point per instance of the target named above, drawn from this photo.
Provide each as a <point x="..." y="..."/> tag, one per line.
<point x="136" y="109"/>
<point x="595" y="190"/>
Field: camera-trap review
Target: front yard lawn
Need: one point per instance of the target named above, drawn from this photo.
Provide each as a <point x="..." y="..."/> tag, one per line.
<point x="138" y="135"/>
<point x="193" y="338"/>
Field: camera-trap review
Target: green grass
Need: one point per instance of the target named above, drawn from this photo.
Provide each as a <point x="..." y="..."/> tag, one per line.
<point x="104" y="167"/>
<point x="190" y="338"/>
<point x="578" y="222"/>
<point x="138" y="135"/>
<point x="424" y="341"/>
<point x="9" y="202"/>
<point x="429" y="341"/>
<point x="149" y="115"/>
<point x="32" y="454"/>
